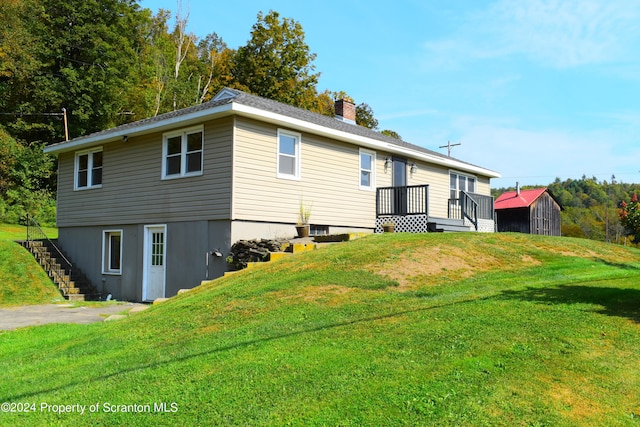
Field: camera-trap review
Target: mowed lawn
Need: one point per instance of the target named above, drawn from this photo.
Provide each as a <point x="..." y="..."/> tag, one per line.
<point x="22" y="280"/>
<point x="432" y="329"/>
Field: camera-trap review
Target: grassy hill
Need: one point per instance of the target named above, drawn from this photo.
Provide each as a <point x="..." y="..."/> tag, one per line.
<point x="438" y="329"/>
<point x="22" y="280"/>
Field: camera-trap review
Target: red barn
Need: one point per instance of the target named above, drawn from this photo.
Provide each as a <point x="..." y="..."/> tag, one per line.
<point x="528" y="211"/>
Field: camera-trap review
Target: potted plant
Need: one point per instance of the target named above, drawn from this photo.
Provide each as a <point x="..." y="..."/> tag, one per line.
<point x="389" y="227"/>
<point x="302" y="227"/>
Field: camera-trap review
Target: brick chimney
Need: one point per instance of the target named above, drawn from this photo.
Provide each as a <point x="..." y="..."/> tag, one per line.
<point x="346" y="111"/>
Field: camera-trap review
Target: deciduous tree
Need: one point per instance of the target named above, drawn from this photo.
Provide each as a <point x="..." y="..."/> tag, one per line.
<point x="630" y="217"/>
<point x="79" y="55"/>
<point x="277" y="63"/>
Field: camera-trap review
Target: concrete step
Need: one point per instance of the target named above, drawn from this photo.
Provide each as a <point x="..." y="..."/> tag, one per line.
<point x="275" y="256"/>
<point x="297" y="248"/>
<point x="440" y="225"/>
<point x="73" y="284"/>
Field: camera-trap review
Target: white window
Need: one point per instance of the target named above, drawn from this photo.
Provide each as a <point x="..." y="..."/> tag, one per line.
<point x="460" y="182"/>
<point x="88" y="169"/>
<point x="288" y="154"/>
<point x="182" y="153"/>
<point x="367" y="170"/>
<point x="112" y="252"/>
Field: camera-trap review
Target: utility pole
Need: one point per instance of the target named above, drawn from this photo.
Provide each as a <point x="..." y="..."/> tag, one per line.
<point x="66" y="127"/>
<point x="449" y="146"/>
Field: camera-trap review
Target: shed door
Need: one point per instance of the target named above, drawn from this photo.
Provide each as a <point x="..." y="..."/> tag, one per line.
<point x="155" y="260"/>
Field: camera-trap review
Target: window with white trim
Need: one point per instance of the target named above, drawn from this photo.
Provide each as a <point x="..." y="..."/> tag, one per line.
<point x="182" y="153"/>
<point x="367" y="169"/>
<point x="112" y="252"/>
<point x="88" y="169"/>
<point x="288" y="154"/>
<point x="459" y="182"/>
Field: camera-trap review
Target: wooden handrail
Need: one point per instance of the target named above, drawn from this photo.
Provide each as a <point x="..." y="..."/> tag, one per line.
<point x="469" y="208"/>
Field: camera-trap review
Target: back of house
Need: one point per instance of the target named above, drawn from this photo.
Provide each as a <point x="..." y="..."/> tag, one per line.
<point x="150" y="207"/>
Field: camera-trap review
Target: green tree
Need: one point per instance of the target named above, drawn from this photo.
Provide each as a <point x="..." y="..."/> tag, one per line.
<point x="277" y="63"/>
<point x="365" y="117"/>
<point x="391" y="133"/>
<point x="630" y="217"/>
<point x="80" y="56"/>
<point x="25" y="172"/>
<point x="215" y="66"/>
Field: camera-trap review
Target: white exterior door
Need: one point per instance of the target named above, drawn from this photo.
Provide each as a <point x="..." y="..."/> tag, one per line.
<point x="154" y="259"/>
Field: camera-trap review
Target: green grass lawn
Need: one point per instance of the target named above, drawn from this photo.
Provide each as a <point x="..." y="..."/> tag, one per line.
<point x="22" y="280"/>
<point x="438" y="329"/>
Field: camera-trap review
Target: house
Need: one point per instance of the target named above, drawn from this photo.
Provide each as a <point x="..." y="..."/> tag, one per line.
<point x="528" y="211"/>
<point x="150" y="207"/>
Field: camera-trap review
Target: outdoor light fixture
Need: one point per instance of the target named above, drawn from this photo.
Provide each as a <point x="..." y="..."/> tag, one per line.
<point x="413" y="168"/>
<point x="387" y="163"/>
<point x="125" y="138"/>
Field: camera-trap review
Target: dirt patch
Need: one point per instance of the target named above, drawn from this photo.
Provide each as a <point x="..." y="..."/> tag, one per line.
<point x="430" y="262"/>
<point x="574" y="404"/>
<point x="432" y="265"/>
<point x="528" y="259"/>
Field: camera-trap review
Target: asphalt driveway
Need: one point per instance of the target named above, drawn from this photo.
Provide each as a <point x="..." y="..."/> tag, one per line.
<point x="33" y="315"/>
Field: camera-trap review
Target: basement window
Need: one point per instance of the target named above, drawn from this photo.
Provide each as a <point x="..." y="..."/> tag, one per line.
<point x="318" y="230"/>
<point x="112" y="252"/>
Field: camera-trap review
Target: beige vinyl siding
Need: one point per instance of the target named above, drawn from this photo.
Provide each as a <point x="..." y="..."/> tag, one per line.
<point x="133" y="190"/>
<point x="437" y="177"/>
<point x="329" y="180"/>
<point x="484" y="186"/>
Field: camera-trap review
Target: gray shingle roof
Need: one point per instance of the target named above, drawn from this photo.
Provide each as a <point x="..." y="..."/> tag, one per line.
<point x="322" y="120"/>
<point x="264" y="104"/>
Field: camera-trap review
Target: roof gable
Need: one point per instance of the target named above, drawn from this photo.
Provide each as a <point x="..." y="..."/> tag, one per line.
<point x="512" y="200"/>
<point x="225" y="94"/>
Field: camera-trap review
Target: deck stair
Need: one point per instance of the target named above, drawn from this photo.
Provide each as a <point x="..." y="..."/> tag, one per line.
<point x="73" y="284"/>
<point x="440" y="225"/>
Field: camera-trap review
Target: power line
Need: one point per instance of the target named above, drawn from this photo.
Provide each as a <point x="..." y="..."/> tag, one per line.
<point x="63" y="114"/>
<point x="33" y="114"/>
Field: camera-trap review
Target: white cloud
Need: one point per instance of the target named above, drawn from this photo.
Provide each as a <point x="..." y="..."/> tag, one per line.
<point x="554" y="33"/>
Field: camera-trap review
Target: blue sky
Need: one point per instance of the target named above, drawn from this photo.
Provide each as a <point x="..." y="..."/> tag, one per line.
<point x="533" y="89"/>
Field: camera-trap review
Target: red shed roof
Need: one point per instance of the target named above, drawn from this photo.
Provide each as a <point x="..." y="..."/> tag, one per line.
<point x="511" y="199"/>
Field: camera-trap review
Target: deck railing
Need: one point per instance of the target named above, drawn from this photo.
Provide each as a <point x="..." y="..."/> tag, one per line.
<point x="472" y="206"/>
<point x="405" y="200"/>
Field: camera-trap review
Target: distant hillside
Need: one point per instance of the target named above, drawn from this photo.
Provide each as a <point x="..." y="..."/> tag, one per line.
<point x="590" y="206"/>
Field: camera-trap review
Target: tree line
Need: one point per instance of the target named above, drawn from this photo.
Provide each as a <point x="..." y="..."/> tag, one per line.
<point x="111" y="62"/>
<point x="591" y="208"/>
